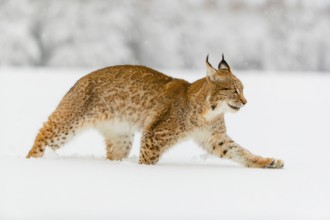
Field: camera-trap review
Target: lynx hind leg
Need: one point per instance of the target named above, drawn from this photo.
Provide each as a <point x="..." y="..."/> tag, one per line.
<point x="58" y="130"/>
<point x="53" y="135"/>
<point x="118" y="147"/>
<point x="118" y="139"/>
<point x="73" y="114"/>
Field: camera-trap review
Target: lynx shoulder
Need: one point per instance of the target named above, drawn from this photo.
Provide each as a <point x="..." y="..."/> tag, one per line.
<point x="119" y="100"/>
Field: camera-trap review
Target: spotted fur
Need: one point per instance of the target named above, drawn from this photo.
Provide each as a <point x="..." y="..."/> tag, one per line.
<point x="119" y="100"/>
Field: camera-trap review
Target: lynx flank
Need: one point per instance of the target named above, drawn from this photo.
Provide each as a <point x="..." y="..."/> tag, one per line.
<point x="119" y="100"/>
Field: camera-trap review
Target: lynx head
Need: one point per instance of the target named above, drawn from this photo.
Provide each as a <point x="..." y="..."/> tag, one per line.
<point x="225" y="89"/>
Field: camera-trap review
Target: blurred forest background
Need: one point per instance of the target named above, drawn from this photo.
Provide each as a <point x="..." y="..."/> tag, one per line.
<point x="288" y="35"/>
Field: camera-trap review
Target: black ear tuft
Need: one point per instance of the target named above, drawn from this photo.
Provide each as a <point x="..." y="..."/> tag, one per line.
<point x="208" y="65"/>
<point x="223" y="65"/>
<point x="207" y="59"/>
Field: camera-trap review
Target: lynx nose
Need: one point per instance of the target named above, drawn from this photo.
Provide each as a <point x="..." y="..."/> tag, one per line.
<point x="243" y="100"/>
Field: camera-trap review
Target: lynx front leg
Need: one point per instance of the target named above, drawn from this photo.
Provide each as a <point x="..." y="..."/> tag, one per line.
<point x="150" y="150"/>
<point x="160" y="135"/>
<point x="222" y="146"/>
<point x="154" y="144"/>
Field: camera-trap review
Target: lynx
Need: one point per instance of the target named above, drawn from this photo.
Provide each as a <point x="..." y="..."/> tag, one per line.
<point x="119" y="100"/>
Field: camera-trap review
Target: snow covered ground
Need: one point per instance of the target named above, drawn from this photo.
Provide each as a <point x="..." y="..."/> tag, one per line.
<point x="287" y="117"/>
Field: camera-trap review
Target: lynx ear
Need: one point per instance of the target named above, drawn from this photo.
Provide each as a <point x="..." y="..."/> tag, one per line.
<point x="212" y="74"/>
<point x="223" y="65"/>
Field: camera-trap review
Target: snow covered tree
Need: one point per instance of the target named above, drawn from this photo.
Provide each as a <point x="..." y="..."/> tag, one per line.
<point x="263" y="35"/>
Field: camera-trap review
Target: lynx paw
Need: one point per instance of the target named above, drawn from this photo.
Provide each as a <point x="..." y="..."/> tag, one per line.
<point x="260" y="162"/>
<point x="276" y="164"/>
<point x="36" y="153"/>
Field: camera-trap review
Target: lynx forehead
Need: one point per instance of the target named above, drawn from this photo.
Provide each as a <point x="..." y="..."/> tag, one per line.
<point x="119" y="100"/>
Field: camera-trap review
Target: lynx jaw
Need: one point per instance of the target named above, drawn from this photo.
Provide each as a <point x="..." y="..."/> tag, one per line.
<point x="236" y="108"/>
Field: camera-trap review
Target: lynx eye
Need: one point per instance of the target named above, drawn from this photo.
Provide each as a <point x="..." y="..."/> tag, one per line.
<point x="237" y="91"/>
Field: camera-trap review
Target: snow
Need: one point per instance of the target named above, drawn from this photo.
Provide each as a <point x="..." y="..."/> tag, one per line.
<point x="287" y="117"/>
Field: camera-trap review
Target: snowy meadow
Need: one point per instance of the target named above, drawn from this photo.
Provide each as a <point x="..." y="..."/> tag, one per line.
<point x="280" y="50"/>
<point x="287" y="117"/>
